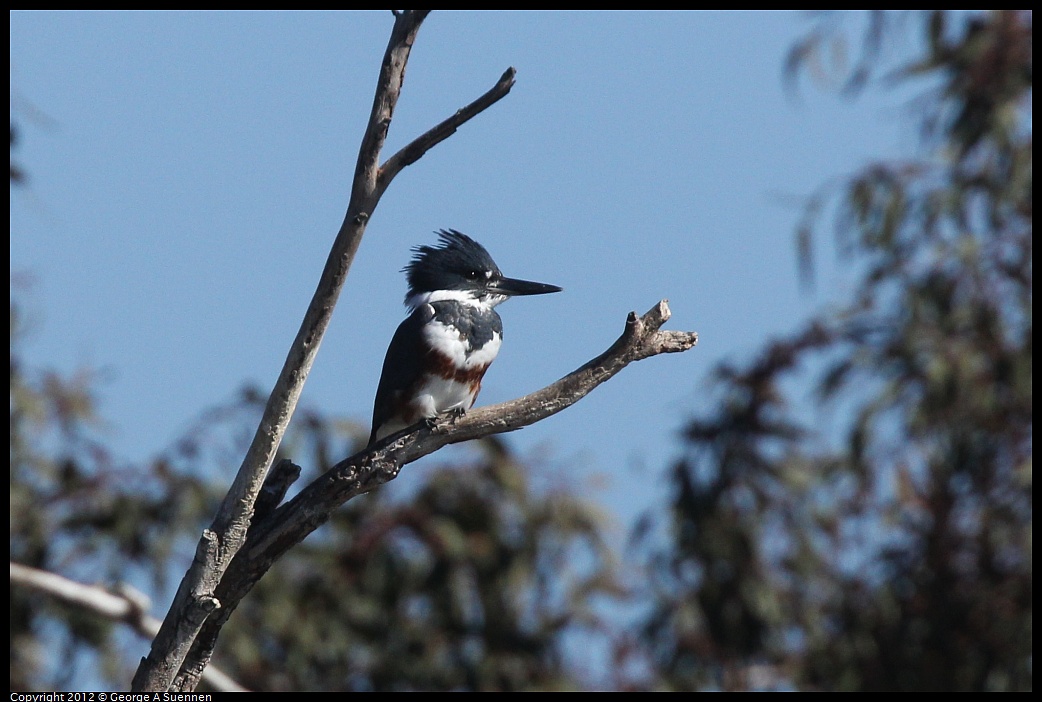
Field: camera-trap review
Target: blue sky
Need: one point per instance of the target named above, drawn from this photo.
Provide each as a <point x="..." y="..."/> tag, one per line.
<point x="188" y="172"/>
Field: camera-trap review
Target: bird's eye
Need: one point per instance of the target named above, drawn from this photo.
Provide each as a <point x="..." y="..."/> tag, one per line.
<point x="473" y="275"/>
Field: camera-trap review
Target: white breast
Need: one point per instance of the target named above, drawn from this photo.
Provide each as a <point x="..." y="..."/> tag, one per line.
<point x="446" y="340"/>
<point x="438" y="395"/>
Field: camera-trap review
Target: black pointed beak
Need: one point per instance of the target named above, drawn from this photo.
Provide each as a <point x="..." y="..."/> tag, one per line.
<point x="513" y="286"/>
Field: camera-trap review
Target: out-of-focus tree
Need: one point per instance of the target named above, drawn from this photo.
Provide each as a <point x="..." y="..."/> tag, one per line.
<point x="79" y="512"/>
<point x="892" y="552"/>
<point x="76" y="511"/>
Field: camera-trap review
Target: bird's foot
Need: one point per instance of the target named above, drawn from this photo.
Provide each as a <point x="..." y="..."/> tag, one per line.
<point x="444" y="420"/>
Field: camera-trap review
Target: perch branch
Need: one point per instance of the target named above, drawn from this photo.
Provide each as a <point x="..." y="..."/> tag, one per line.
<point x="194" y="599"/>
<point x="175" y="661"/>
<point x="288" y="525"/>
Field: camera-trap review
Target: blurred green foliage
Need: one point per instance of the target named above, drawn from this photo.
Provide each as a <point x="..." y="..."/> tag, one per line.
<point x="893" y="553"/>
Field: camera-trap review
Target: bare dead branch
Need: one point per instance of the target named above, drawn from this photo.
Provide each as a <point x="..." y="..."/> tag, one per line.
<point x="415" y="150"/>
<point x="275" y="487"/>
<point x="168" y="665"/>
<point x="125" y="605"/>
<point x="388" y="88"/>
<point x="270" y="538"/>
<point x="219" y="578"/>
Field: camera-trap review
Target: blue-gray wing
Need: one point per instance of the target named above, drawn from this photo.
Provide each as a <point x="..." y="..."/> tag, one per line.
<point x="401" y="370"/>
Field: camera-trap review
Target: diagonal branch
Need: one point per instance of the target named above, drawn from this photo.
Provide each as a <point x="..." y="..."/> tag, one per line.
<point x="124" y="604"/>
<point x="270" y="538"/>
<point x="169" y="663"/>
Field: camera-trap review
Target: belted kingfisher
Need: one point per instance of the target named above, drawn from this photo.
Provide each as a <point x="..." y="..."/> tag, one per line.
<point x="441" y="351"/>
